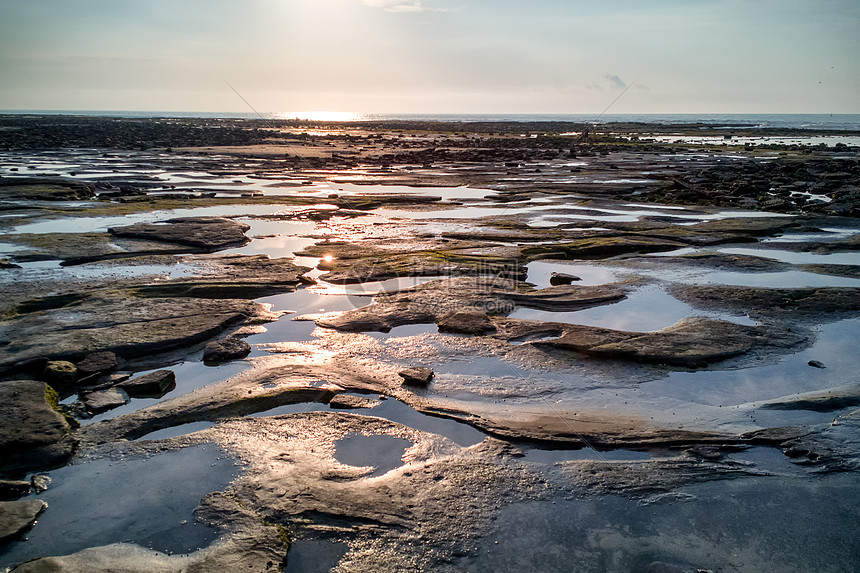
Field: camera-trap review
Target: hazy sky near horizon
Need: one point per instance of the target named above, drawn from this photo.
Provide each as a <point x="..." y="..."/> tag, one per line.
<point x="432" y="56"/>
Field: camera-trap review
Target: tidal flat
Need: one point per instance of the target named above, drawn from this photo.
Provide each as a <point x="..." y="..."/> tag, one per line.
<point x="268" y="345"/>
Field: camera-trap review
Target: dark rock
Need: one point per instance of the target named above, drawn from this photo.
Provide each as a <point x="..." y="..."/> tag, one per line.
<point x="466" y="322"/>
<point x="347" y="402"/>
<point x="32" y="433"/>
<point x="153" y="384"/>
<point x="97" y="363"/>
<point x="562" y="279"/>
<point x="6" y="264"/>
<point x="416" y="376"/>
<point x="816" y="364"/>
<point x="18" y="516"/>
<point x="61" y="372"/>
<point x="206" y="233"/>
<point x="225" y="349"/>
<point x="13" y="489"/>
<point x="104" y="400"/>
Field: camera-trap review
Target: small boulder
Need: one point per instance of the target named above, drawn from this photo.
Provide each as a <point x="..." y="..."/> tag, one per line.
<point x="60" y="372"/>
<point x="556" y="279"/>
<point x="225" y="349"/>
<point x="416" y="376"/>
<point x="40" y="482"/>
<point x="97" y="363"/>
<point x="816" y="364"/>
<point x="466" y="322"/>
<point x="155" y="383"/>
<point x="104" y="400"/>
<point x="17" y="516"/>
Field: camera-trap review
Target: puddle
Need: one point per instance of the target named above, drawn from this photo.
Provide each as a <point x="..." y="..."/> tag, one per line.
<point x="149" y="502"/>
<point x="384" y="453"/>
<point x="539" y="273"/>
<point x="645" y="310"/>
<point x="756" y="524"/>
<point x="836" y="348"/>
<point x="784" y="279"/>
<point x="179" y="430"/>
<point x="190" y="376"/>
<point x="314" y="556"/>
<point x="798" y="258"/>
<point x="394" y="411"/>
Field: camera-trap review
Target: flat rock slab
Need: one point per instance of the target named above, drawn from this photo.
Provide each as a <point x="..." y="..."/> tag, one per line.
<point x="32" y="433"/>
<point x="205" y="233"/>
<point x="104" y="400"/>
<point x="226" y="349"/>
<point x="18" y="516"/>
<point x="125" y="325"/>
<point x="233" y="276"/>
<point x="13" y="489"/>
<point x="152" y="384"/>
<point x="693" y="342"/>
<point x="806" y="302"/>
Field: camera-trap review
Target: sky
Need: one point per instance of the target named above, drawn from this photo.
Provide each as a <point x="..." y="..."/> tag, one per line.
<point x="432" y="56"/>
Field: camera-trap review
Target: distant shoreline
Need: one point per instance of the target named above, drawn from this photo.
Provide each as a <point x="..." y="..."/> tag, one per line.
<point x="822" y="121"/>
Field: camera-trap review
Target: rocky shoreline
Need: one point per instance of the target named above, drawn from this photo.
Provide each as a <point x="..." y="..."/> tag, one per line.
<point x="539" y="320"/>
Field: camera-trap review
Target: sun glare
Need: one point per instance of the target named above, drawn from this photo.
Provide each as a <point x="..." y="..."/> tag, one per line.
<point x="320" y="115"/>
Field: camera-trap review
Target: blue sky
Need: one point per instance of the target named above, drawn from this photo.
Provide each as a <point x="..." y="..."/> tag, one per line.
<point x="432" y="56"/>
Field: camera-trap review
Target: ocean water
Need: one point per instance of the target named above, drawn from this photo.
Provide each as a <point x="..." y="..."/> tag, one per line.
<point x="765" y="120"/>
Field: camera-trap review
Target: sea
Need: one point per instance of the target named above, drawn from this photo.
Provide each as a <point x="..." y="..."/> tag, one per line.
<point x="835" y="122"/>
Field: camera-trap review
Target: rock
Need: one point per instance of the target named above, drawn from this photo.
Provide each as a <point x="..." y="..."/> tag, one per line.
<point x="347" y="402"/>
<point x="205" y="233"/>
<point x="466" y="322"/>
<point x="18" y="516"/>
<point x="816" y="364"/>
<point x="829" y="400"/>
<point x="61" y="372"/>
<point x="225" y="349"/>
<point x="416" y="376"/>
<point x="32" y="433"/>
<point x="562" y="279"/>
<point x="97" y="363"/>
<point x="155" y="383"/>
<point x="104" y="400"/>
<point x="13" y="489"/>
<point x="6" y="264"/>
<point x="40" y="482"/>
<point x="692" y="342"/>
<point x="128" y="326"/>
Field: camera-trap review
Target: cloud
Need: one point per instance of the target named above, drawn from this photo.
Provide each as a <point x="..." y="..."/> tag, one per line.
<point x="398" y="5"/>
<point x="616" y="82"/>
